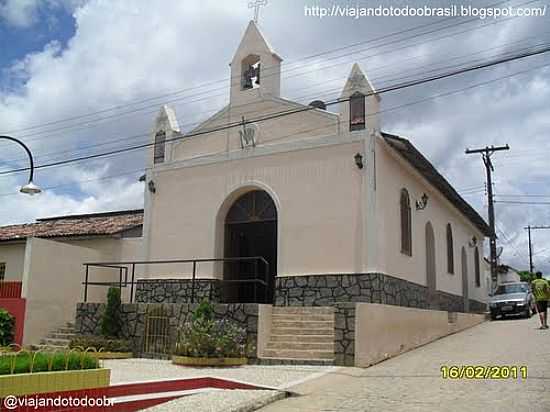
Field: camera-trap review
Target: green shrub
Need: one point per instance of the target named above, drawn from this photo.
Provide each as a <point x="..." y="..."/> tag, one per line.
<point x="205" y="311"/>
<point x="111" y="323"/>
<point x="206" y="337"/>
<point x="7" y="327"/>
<point x="101" y="342"/>
<point x="43" y="362"/>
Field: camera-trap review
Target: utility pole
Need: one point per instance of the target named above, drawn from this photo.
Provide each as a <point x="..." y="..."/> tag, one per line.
<point x="486" y="153"/>
<point x="530" y="249"/>
<point x="529" y="228"/>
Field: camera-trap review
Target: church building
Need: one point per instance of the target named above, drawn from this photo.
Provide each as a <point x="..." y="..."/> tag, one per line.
<point x="303" y="205"/>
<point x="306" y="224"/>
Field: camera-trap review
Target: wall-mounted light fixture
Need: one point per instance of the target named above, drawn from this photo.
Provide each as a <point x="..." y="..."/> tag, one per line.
<point x="472" y="242"/>
<point x="151" y="186"/>
<point x="359" y="160"/>
<point x="422" y="203"/>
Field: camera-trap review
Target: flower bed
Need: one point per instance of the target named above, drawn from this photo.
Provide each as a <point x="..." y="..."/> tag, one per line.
<point x="112" y="355"/>
<point x="25" y="373"/>
<point x="205" y="341"/>
<point x="207" y="362"/>
<point x="103" y="347"/>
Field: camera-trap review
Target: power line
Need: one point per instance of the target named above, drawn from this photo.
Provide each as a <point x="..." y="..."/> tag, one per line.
<point x="131" y="172"/>
<point x="289" y="112"/>
<point x="522" y="195"/>
<point x="109" y="142"/>
<point x="328" y="52"/>
<point x="513" y="202"/>
<point x="213" y="82"/>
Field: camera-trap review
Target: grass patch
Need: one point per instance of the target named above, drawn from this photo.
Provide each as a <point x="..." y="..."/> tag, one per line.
<point x="26" y="362"/>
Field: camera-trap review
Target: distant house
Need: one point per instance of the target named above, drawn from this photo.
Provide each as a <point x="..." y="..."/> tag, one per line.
<point x="506" y="274"/>
<point x="42" y="270"/>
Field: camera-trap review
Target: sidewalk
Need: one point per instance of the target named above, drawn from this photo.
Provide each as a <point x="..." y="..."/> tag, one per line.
<point x="412" y="381"/>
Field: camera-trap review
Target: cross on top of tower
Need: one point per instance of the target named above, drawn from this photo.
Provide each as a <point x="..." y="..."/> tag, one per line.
<point x="256" y="4"/>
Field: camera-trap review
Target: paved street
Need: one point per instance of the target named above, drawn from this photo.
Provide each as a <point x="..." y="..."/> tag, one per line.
<point x="412" y="381"/>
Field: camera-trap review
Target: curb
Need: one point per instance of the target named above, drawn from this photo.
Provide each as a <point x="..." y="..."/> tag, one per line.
<point x="256" y="404"/>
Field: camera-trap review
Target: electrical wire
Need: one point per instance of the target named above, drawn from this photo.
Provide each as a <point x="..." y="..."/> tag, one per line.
<point x="331" y="51"/>
<point x="290" y="112"/>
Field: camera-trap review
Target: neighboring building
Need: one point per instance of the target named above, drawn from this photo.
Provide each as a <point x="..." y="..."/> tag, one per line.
<point x="341" y="210"/>
<point x="43" y="264"/>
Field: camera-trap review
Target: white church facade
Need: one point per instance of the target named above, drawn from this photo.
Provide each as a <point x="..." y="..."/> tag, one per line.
<point x="272" y="205"/>
<point x="337" y="210"/>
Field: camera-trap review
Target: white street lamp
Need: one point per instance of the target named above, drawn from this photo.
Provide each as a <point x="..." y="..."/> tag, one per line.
<point x="30" y="188"/>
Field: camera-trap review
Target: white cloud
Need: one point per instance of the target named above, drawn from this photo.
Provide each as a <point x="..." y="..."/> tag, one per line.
<point x="127" y="50"/>
<point x="19" y="13"/>
<point x="24" y="13"/>
<point x="98" y="192"/>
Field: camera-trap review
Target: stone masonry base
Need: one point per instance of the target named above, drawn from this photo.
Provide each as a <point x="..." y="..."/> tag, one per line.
<point x="136" y="315"/>
<point x="331" y="289"/>
<point x="177" y="290"/>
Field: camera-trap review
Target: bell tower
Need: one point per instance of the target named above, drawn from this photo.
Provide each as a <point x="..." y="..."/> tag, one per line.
<point x="255" y="68"/>
<point x="361" y="106"/>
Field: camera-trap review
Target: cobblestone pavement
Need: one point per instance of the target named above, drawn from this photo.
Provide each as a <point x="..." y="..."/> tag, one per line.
<point x="276" y="376"/>
<point x="412" y="381"/>
<point x="279" y="376"/>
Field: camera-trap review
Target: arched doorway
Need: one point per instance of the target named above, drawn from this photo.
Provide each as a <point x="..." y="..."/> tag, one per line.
<point x="250" y="231"/>
<point x="430" y="265"/>
<point x="465" y="292"/>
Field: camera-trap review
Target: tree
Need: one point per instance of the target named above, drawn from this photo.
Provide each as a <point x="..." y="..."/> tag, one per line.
<point x="111" y="324"/>
<point x="7" y="326"/>
<point x="526" y="276"/>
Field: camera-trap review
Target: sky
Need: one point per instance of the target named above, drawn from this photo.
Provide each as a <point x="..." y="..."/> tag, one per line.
<point x="79" y="77"/>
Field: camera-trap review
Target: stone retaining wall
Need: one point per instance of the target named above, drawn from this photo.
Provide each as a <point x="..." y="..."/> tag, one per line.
<point x="323" y="290"/>
<point x="177" y="290"/>
<point x="344" y="334"/>
<point x="477" y="307"/>
<point x="134" y="315"/>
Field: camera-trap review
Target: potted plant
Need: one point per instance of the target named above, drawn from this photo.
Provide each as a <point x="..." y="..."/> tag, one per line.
<point x="205" y="341"/>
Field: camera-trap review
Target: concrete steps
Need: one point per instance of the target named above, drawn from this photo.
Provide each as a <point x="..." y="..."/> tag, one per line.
<point x="303" y="317"/>
<point x="301" y="310"/>
<point x="58" y="339"/>
<point x="281" y="345"/>
<point x="306" y="324"/>
<point x="302" y="331"/>
<point x="301" y="335"/>
<point x="299" y="354"/>
<point x="302" y="338"/>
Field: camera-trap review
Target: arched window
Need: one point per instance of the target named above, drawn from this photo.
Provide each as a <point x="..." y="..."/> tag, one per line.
<point x="406" y="228"/>
<point x="450" y="250"/>
<point x="160" y="142"/>
<point x="357" y="111"/>
<point x="431" y="272"/>
<point x="476" y="267"/>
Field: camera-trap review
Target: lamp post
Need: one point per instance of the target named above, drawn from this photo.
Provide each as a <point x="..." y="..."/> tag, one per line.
<point x="30" y="188"/>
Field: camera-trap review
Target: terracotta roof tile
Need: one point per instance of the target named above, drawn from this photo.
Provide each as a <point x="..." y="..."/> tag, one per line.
<point x="95" y="224"/>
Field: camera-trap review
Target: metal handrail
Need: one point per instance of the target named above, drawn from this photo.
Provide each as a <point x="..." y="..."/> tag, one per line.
<point x="123" y="268"/>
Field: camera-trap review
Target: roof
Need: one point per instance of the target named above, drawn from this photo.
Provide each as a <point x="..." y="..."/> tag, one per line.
<point x="406" y="150"/>
<point x="95" y="224"/>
